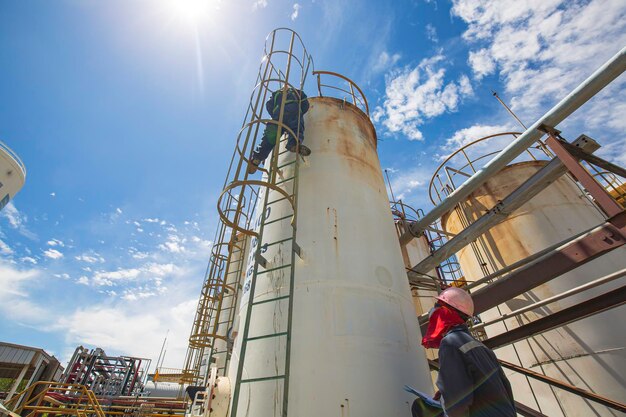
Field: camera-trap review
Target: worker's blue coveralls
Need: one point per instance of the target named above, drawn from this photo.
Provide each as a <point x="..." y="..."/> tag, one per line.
<point x="471" y="381"/>
<point x="296" y="105"/>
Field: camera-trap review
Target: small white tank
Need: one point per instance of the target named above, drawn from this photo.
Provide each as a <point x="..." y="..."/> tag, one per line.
<point x="355" y="340"/>
<point x="590" y="353"/>
<point x="12" y="174"/>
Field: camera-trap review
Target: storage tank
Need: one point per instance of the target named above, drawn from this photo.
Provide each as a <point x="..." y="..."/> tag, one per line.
<point x="12" y="174"/>
<point x="354" y="338"/>
<point x="589" y="353"/>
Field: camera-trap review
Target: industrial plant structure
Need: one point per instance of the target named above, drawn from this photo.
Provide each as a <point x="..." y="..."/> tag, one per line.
<point x="306" y="309"/>
<point x="317" y="285"/>
<point x="12" y="174"/>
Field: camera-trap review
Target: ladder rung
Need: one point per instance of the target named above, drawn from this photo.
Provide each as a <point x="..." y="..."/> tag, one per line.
<point x="280" y="199"/>
<point x="269" y="300"/>
<point x="278" y="219"/>
<point x="287" y="164"/>
<point x="267" y="336"/>
<point x="265" y="378"/>
<point x="284" y="181"/>
<point x="273" y="269"/>
<point x="267" y="245"/>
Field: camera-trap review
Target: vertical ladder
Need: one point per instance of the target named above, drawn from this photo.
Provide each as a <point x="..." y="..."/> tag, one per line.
<point x="226" y="315"/>
<point x="276" y="178"/>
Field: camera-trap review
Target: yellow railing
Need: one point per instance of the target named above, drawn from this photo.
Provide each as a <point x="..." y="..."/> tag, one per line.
<point x="55" y="398"/>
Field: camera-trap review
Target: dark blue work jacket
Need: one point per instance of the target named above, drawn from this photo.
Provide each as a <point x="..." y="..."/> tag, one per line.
<point x="471" y="381"/>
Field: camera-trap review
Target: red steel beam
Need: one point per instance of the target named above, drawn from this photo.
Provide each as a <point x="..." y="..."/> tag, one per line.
<point x="602" y="239"/>
<point x="567" y="387"/>
<point x="603" y="302"/>
<point x="597" y="191"/>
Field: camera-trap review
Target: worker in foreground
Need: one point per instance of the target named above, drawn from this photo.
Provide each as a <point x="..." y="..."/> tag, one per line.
<point x="296" y="105"/>
<point x="471" y="382"/>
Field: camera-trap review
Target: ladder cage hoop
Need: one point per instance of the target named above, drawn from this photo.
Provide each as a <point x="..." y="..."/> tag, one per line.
<point x="243" y="184"/>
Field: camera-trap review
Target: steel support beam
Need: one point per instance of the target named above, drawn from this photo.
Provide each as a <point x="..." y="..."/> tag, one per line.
<point x="591" y="86"/>
<point x="607" y="301"/>
<point x="598" y="241"/>
<point x="597" y="191"/>
<point x="592" y="159"/>
<point x="530" y="188"/>
<point x="567" y="387"/>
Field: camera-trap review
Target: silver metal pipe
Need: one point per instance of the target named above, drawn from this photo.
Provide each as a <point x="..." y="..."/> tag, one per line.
<point x="591" y="86"/>
<point x="573" y="291"/>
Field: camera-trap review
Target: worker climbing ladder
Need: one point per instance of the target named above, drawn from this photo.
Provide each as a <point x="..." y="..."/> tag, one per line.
<point x="269" y="284"/>
<point x="251" y="268"/>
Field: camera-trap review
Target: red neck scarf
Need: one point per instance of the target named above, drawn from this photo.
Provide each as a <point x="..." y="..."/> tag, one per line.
<point x="440" y="323"/>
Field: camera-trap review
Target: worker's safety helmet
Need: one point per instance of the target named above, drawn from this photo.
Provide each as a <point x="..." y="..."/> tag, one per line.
<point x="458" y="299"/>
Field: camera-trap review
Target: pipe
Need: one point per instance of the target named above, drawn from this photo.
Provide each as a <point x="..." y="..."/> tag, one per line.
<point x="573" y="291"/>
<point x="586" y="90"/>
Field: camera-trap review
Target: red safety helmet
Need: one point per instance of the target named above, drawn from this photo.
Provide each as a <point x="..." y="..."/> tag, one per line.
<point x="457" y="298"/>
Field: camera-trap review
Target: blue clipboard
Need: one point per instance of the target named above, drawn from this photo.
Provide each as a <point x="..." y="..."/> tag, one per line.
<point x="427" y="399"/>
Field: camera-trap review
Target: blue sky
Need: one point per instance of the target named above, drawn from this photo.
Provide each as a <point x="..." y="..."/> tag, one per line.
<point x="125" y="113"/>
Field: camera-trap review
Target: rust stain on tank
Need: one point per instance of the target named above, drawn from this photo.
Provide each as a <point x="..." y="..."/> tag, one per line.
<point x="355" y="139"/>
<point x="332" y="219"/>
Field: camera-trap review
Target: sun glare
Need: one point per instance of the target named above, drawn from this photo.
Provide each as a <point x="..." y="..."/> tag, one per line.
<point x="190" y="10"/>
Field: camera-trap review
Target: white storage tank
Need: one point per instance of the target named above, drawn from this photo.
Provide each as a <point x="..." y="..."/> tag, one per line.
<point x="590" y="353"/>
<point x="12" y="174"/>
<point x="354" y="340"/>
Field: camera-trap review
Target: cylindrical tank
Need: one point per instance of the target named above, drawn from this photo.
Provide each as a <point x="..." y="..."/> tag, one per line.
<point x="589" y="353"/>
<point x="12" y="174"/>
<point x="162" y="389"/>
<point x="354" y="340"/>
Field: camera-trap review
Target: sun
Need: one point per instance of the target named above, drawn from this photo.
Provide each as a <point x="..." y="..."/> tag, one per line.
<point x="190" y="10"/>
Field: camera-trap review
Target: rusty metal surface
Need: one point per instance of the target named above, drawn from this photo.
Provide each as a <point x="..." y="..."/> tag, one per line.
<point x="599" y="193"/>
<point x="581" y="94"/>
<point x="597" y="242"/>
<point x="567" y="387"/>
<point x="530" y="188"/>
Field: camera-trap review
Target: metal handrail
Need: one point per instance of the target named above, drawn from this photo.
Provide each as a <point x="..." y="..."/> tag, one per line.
<point x="361" y="100"/>
<point x="470" y="163"/>
<point x="575" y="99"/>
<point x="12" y="154"/>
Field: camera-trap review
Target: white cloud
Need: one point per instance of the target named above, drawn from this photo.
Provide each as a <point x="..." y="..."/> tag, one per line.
<point x="259" y="4"/>
<point x="174" y="244"/>
<point x="29" y="259"/>
<point x="53" y="194"/>
<point x="296" y="11"/>
<point x="462" y="137"/>
<point x="431" y="33"/>
<point x="118" y="210"/>
<point x="5" y="249"/>
<point x="482" y="63"/>
<point x="55" y="242"/>
<point x="409" y="185"/>
<point x="385" y="61"/>
<point x="14" y="216"/>
<point x="542" y="48"/>
<point x="145" y="326"/>
<point x="52" y="254"/>
<point x="106" y="278"/>
<point x="414" y="95"/>
<point x="15" y="302"/>
<point x="90" y="258"/>
<point x="149" y="220"/>
<point x="83" y="280"/>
